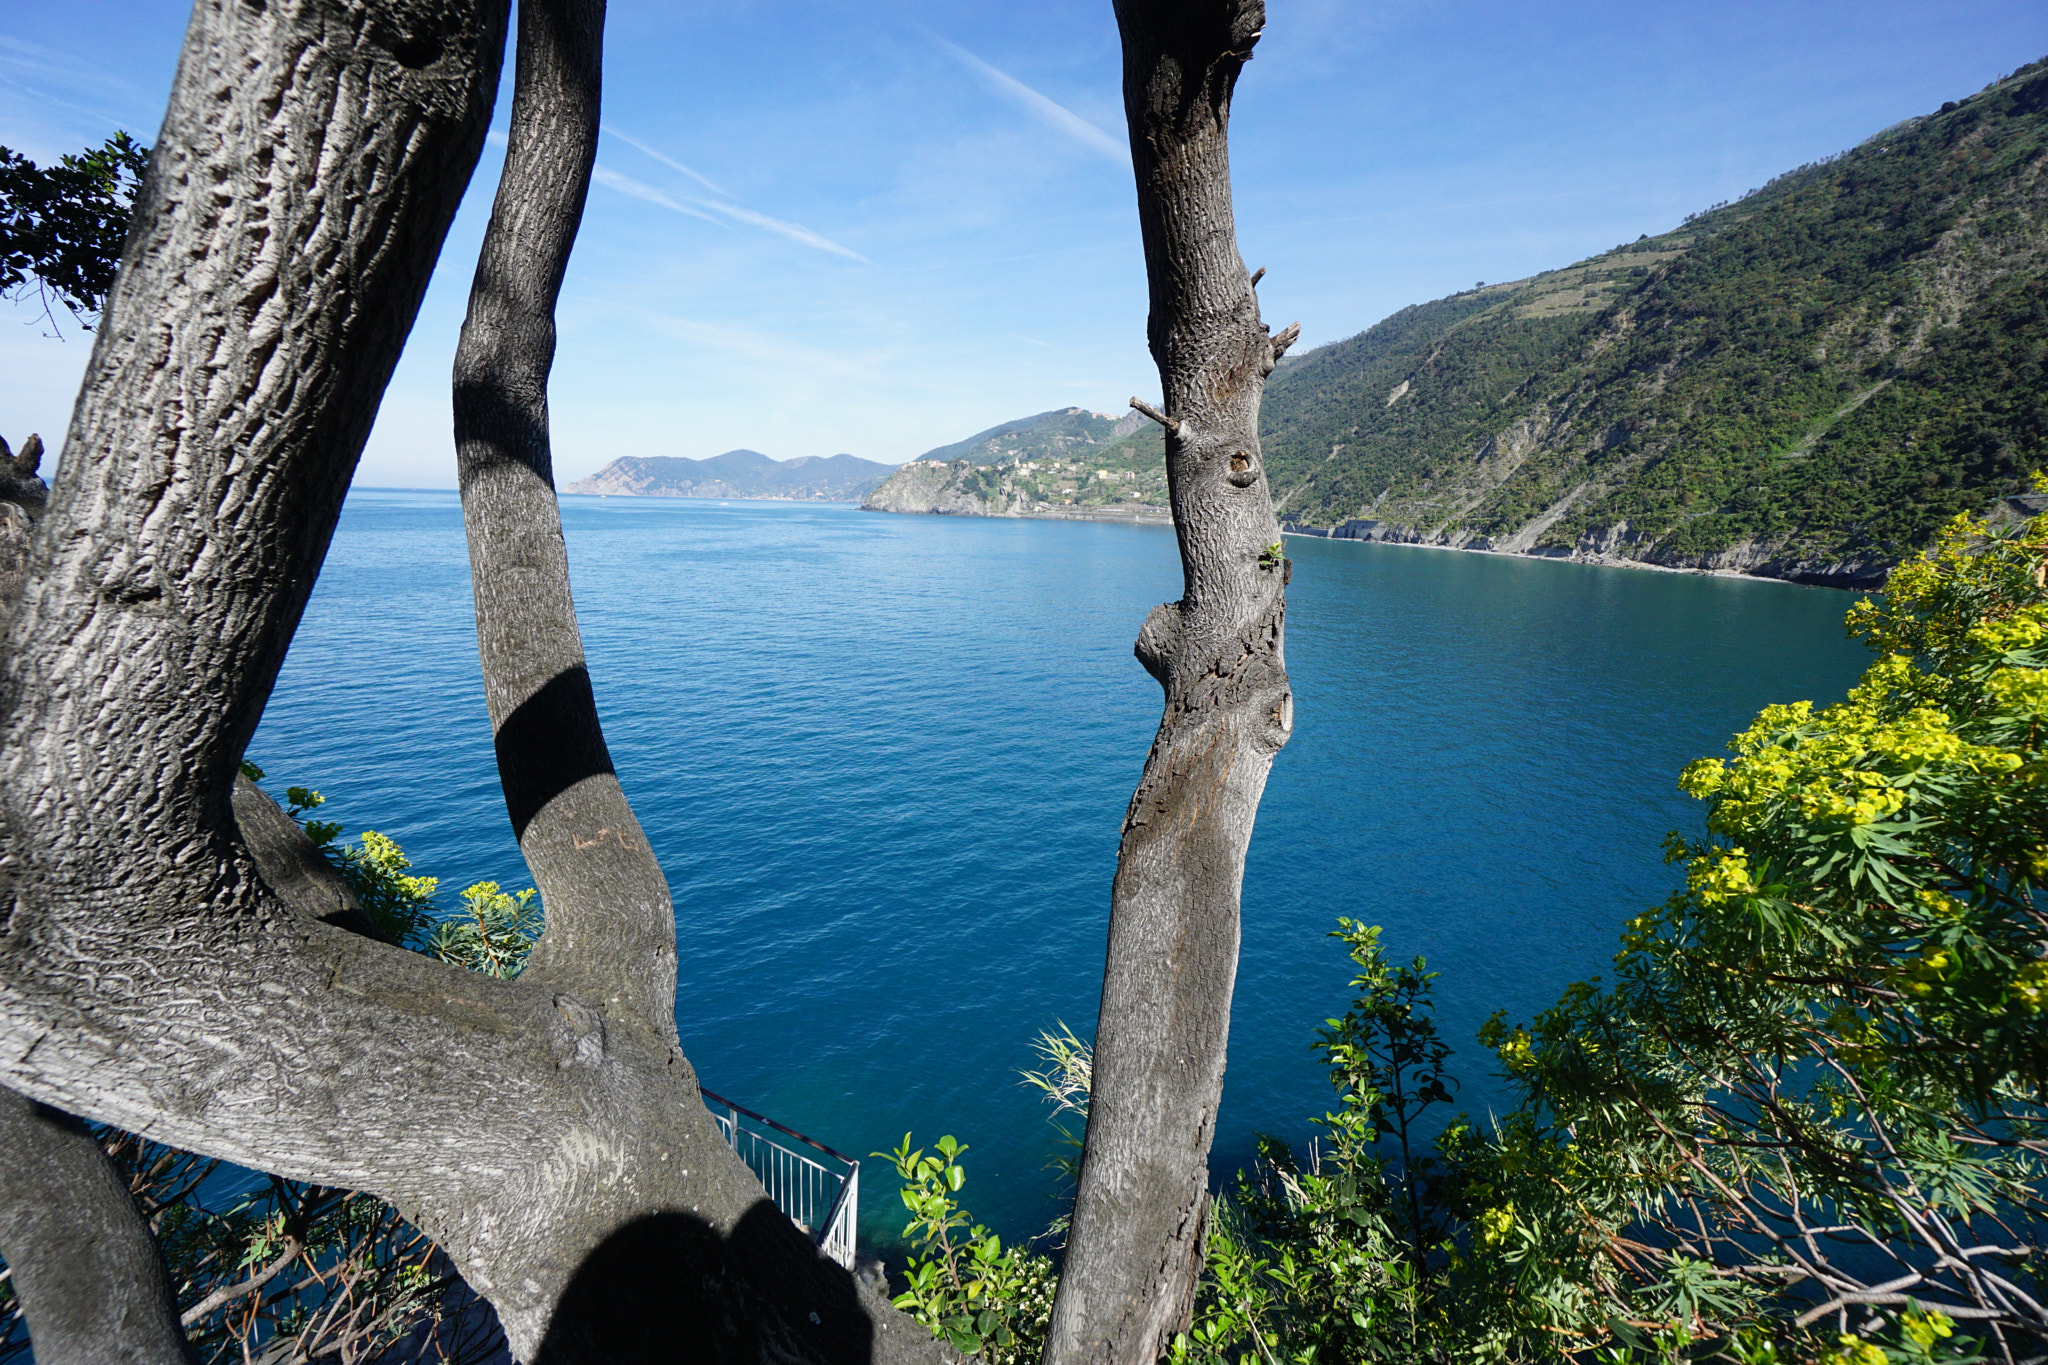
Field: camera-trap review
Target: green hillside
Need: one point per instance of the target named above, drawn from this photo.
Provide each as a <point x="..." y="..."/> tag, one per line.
<point x="1059" y="434"/>
<point x="1806" y="381"/>
<point x="1050" y="470"/>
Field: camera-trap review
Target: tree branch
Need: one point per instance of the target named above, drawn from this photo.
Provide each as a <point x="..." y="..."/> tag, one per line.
<point x="292" y="866"/>
<point x="150" y="975"/>
<point x="610" y="934"/>
<point x="198" y="1312"/>
<point x="1156" y="415"/>
<point x="89" y="1276"/>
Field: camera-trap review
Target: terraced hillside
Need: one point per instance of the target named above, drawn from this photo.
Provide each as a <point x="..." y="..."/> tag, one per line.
<point x="1804" y="382"/>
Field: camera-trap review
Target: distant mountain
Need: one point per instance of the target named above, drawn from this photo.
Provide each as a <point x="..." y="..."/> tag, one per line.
<point x="738" y="474"/>
<point x="1045" y="435"/>
<point x="1803" y="383"/>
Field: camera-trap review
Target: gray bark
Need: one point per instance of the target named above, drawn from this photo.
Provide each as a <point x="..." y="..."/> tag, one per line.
<point x="19" y="482"/>
<point x="1135" y="1248"/>
<point x="83" y="1265"/>
<point x="292" y="866"/>
<point x="692" y="1251"/>
<point x="610" y="926"/>
<point x="22" y="497"/>
<point x="88" y="1274"/>
<point x="167" y="964"/>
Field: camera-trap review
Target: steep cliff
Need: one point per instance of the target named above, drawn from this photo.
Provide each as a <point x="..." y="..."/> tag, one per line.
<point x="956" y="489"/>
<point x="1803" y="383"/>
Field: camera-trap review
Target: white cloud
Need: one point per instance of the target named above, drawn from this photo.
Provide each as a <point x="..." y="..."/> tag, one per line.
<point x="1046" y="111"/>
<point x="34" y="69"/>
<point x="796" y="232"/>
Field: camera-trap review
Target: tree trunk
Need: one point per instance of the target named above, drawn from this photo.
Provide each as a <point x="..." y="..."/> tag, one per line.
<point x="1135" y="1248"/>
<point x="610" y="926"/>
<point x="66" y="1216"/>
<point x="546" y="1132"/>
<point x="67" y="1224"/>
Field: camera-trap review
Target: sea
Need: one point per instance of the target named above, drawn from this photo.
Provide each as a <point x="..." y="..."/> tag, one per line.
<point x="884" y="760"/>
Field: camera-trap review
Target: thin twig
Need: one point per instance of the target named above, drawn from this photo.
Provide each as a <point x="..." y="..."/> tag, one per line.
<point x="1170" y="423"/>
<point x="198" y="1312"/>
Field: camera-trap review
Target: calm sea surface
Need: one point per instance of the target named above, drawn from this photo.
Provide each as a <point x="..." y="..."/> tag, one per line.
<point x="884" y="760"/>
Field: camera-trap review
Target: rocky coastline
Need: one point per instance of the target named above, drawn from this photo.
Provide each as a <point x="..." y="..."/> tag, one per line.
<point x="1609" y="547"/>
<point x="962" y="488"/>
<point x="1618" y="547"/>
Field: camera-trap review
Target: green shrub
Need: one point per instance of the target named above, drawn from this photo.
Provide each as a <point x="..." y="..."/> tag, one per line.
<point x="961" y="1281"/>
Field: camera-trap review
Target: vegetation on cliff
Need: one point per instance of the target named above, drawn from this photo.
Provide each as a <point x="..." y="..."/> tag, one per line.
<point x="1061" y="433"/>
<point x="1063" y="475"/>
<point x="1825" y="370"/>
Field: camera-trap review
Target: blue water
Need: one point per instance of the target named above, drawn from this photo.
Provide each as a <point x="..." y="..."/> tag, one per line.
<point x="884" y="760"/>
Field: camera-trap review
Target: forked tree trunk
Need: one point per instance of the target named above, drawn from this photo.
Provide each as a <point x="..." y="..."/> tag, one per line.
<point x="1139" y="1216"/>
<point x="547" y="1131"/>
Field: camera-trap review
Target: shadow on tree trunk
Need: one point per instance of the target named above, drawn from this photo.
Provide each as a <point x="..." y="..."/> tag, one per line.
<point x="649" y="1292"/>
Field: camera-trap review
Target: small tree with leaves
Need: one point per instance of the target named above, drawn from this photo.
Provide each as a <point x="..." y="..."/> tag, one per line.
<point x="62" y="227"/>
<point x="1809" y="1115"/>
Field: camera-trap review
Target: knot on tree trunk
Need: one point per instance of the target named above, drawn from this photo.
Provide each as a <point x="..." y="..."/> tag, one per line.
<point x="580" y="1041"/>
<point x="19" y="482"/>
<point x="1159" y="640"/>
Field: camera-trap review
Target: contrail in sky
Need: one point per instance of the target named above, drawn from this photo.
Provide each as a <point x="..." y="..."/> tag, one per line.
<point x="1046" y="111"/>
<point x="706" y="208"/>
<point x="667" y="161"/>
<point x="626" y="184"/>
<point x="796" y="232"/>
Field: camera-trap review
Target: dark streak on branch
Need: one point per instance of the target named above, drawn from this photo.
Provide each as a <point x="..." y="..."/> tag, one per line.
<point x="610" y="935"/>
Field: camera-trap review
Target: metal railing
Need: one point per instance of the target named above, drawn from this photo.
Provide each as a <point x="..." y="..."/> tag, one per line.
<point x="819" y="1189"/>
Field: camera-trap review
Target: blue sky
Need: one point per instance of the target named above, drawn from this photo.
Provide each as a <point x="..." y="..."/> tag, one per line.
<point x="825" y="226"/>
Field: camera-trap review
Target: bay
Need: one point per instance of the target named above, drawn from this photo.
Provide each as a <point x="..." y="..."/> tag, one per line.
<point x="884" y="759"/>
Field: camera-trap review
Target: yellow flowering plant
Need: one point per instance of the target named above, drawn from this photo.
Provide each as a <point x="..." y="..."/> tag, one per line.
<point x="1820" y="1075"/>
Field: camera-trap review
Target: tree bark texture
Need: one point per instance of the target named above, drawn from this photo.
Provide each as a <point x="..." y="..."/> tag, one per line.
<point x="1135" y="1248"/>
<point x="89" y="1276"/>
<point x="610" y="925"/>
<point x="162" y="972"/>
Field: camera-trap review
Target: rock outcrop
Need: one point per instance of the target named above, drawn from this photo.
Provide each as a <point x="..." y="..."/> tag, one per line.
<point x="936" y="486"/>
<point x="1123" y="479"/>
